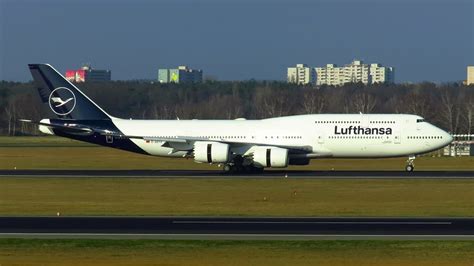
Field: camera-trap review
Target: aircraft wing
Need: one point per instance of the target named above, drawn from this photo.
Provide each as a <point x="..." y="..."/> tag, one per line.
<point x="168" y="142"/>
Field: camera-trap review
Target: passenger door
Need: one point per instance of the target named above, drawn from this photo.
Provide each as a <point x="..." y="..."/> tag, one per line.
<point x="321" y="137"/>
<point x="397" y="139"/>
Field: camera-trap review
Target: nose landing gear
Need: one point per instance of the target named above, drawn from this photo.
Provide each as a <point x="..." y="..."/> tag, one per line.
<point x="410" y="164"/>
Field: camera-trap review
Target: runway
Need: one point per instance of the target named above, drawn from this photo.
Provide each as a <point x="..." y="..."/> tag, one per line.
<point x="237" y="227"/>
<point x="220" y="174"/>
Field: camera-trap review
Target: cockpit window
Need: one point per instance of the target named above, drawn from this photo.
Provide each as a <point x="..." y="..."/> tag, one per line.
<point x="420" y="120"/>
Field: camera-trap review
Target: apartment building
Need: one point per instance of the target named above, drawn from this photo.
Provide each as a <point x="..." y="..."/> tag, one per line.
<point x="470" y="75"/>
<point x="301" y="74"/>
<point x="354" y="72"/>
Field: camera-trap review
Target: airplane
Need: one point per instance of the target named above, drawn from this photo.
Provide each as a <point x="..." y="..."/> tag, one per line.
<point x="240" y="145"/>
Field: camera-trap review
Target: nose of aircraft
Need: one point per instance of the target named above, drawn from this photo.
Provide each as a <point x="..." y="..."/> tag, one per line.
<point x="447" y="138"/>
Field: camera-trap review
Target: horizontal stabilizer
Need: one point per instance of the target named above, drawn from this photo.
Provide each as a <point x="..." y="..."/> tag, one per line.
<point x="70" y="128"/>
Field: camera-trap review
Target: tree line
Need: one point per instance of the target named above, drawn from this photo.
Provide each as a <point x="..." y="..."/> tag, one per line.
<point x="449" y="106"/>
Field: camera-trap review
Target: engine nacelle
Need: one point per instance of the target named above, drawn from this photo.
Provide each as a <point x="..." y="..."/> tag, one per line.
<point x="211" y="152"/>
<point x="270" y="157"/>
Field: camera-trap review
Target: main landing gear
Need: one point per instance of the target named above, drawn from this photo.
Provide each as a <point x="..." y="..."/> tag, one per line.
<point x="239" y="165"/>
<point x="241" y="169"/>
<point x="410" y="164"/>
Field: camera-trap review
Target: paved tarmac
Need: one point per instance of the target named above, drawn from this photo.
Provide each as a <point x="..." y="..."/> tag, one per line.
<point x="237" y="227"/>
<point x="220" y="174"/>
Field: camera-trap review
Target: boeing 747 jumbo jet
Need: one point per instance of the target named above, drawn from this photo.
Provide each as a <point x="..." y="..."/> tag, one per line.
<point x="238" y="145"/>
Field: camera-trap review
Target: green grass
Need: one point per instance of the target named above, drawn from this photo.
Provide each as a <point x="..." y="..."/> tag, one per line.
<point x="48" y="141"/>
<point x="88" y="158"/>
<point x="142" y="196"/>
<point x="239" y="197"/>
<point x="61" y="153"/>
<point x="169" y="252"/>
<point x="236" y="197"/>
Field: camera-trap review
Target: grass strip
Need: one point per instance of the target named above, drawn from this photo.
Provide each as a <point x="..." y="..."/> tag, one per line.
<point x="237" y="197"/>
<point x="94" y="157"/>
<point x="207" y="252"/>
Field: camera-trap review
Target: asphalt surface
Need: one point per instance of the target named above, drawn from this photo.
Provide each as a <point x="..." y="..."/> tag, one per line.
<point x="238" y="227"/>
<point x="220" y="174"/>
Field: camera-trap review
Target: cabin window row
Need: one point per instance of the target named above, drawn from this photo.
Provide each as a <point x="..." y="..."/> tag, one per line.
<point x="337" y="122"/>
<point x="208" y="137"/>
<point x="284" y="137"/>
<point x="425" y="137"/>
<point x="356" y="137"/>
<point x="382" y="122"/>
<point x="225" y="137"/>
<point x="235" y="137"/>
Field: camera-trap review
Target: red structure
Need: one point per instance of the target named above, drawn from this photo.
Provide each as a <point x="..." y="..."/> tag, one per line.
<point x="76" y="75"/>
<point x="86" y="74"/>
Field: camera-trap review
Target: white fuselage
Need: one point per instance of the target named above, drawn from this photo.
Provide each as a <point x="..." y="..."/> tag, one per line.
<point x="321" y="135"/>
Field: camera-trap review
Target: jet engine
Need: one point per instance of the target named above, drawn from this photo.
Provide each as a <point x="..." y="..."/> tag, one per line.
<point x="211" y="152"/>
<point x="270" y="157"/>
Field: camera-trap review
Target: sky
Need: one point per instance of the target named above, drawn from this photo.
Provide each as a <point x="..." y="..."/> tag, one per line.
<point x="237" y="40"/>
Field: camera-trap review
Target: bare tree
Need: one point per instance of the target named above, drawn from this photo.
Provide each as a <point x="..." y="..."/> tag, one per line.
<point x="415" y="103"/>
<point x="360" y="101"/>
<point x="269" y="103"/>
<point x="468" y="111"/>
<point x="314" y="101"/>
<point x="449" y="109"/>
<point x="11" y="112"/>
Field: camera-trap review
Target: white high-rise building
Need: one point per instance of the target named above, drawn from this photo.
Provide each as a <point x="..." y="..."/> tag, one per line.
<point x="355" y="72"/>
<point x="470" y="75"/>
<point x="301" y="74"/>
<point x="330" y="75"/>
<point x="381" y="74"/>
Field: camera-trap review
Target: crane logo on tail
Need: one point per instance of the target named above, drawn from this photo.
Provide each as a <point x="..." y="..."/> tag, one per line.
<point x="62" y="101"/>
